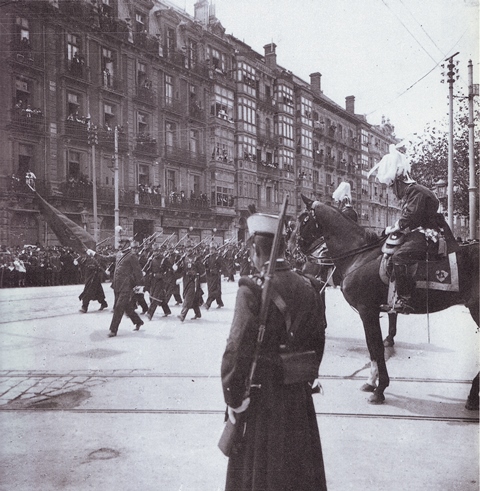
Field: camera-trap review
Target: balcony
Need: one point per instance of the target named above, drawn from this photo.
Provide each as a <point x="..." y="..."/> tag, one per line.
<point x="267" y="104"/>
<point x="76" y="130"/>
<point x="23" y="54"/>
<point x="146" y="95"/>
<point x="15" y="185"/>
<point x="106" y="140"/>
<point x="185" y="156"/>
<point x="173" y="105"/>
<point x="267" y="138"/>
<point x="180" y="202"/>
<point x="79" y="10"/>
<point x="77" y="70"/>
<point x="28" y="120"/>
<point x="145" y="41"/>
<point x="196" y="111"/>
<point x="146" y="145"/>
<point x="112" y="83"/>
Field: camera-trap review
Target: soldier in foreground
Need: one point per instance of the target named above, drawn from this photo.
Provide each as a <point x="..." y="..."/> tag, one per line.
<point x="277" y="447"/>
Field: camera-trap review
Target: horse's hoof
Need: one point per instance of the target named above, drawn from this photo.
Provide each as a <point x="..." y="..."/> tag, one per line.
<point x="376" y="398"/>
<point x="388" y="342"/>
<point x="368" y="388"/>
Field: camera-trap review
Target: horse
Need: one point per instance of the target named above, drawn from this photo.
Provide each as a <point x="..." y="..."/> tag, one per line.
<point x="316" y="262"/>
<point x="357" y="254"/>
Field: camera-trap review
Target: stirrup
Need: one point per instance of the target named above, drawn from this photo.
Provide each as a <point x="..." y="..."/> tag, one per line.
<point x="401" y="306"/>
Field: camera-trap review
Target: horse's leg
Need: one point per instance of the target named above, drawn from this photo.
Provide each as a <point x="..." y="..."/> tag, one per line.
<point x="473" y="397"/>
<point x="388" y="342"/>
<point x="378" y="366"/>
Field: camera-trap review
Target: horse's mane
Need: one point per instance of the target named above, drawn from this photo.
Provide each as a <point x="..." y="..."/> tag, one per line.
<point x="371" y="237"/>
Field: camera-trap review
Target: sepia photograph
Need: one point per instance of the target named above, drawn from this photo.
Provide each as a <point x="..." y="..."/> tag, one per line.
<point x="239" y="245"/>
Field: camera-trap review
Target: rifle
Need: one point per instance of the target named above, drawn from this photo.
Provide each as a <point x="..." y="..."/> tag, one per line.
<point x="231" y="430"/>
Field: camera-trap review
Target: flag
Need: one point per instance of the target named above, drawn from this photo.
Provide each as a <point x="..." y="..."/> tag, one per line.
<point x="67" y="231"/>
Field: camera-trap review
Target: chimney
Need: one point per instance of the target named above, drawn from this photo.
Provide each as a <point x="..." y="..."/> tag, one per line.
<point x="316" y="82"/>
<point x="350" y="104"/>
<point x="202" y="12"/>
<point x="270" y="55"/>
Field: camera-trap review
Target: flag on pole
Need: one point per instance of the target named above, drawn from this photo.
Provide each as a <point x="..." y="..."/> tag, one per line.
<point x="67" y="231"/>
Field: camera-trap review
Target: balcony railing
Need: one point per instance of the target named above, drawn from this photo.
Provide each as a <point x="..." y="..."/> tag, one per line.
<point x="77" y="69"/>
<point x="146" y="42"/>
<point x="146" y="145"/>
<point x="174" y="105"/>
<point x="146" y="94"/>
<point x="184" y="156"/>
<point x="76" y="130"/>
<point x="24" y="54"/>
<point x="106" y="140"/>
<point x="27" y="119"/>
<point x="111" y="82"/>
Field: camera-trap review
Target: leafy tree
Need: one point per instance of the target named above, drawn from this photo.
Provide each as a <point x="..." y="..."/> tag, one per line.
<point x="429" y="156"/>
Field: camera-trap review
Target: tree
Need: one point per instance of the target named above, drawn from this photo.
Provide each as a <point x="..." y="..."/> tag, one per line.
<point x="429" y="156"/>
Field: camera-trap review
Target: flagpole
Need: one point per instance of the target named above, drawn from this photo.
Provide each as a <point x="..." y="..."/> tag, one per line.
<point x="117" y="209"/>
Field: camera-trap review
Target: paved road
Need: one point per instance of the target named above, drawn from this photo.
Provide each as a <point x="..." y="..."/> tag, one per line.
<point x="144" y="410"/>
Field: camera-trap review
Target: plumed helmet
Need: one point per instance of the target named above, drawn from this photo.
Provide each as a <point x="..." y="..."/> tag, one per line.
<point x="393" y="166"/>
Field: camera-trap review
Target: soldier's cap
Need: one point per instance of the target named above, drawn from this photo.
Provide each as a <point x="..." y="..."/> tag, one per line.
<point x="262" y="224"/>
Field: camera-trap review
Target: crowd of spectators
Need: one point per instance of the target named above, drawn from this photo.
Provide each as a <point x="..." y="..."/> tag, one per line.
<point x="33" y="265"/>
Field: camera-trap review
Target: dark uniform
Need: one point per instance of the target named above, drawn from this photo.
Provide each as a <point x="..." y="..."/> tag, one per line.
<point x="422" y="224"/>
<point x="281" y="448"/>
<point x="128" y="274"/>
<point x="213" y="269"/>
<point x="193" y="274"/>
<point x="158" y="285"/>
<point x="93" y="290"/>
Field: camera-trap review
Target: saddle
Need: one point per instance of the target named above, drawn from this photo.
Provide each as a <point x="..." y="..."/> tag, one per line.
<point x="440" y="272"/>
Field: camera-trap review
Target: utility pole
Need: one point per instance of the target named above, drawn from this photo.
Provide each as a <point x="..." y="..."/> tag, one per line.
<point x="117" y="208"/>
<point x="93" y="140"/>
<point x="472" y="189"/>
<point x="452" y="71"/>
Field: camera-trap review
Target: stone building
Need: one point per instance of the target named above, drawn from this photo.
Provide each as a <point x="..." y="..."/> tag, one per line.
<point x="139" y="113"/>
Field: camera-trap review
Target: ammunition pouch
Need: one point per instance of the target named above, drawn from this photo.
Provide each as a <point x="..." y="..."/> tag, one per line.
<point x="299" y="367"/>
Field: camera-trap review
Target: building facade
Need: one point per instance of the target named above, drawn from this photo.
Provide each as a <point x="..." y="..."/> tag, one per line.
<point x="182" y="125"/>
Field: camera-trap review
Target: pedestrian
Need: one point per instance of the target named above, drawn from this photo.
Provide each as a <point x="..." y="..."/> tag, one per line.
<point x="278" y="447"/>
<point x="193" y="275"/>
<point x="93" y="275"/>
<point x="126" y="277"/>
<point x="213" y="269"/>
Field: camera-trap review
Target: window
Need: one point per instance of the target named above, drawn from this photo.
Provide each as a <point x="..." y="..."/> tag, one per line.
<point x="107" y="67"/>
<point x="192" y="53"/>
<point x="142" y="123"/>
<point x="223" y="105"/>
<point x="306" y="111"/>
<point x="285" y="97"/>
<point x="109" y="116"/>
<point x="23" y="96"/>
<point x="144" y="174"/>
<point x="23" y="32"/>
<point x="141" y="74"/>
<point x="25" y="161"/>
<point x="170" y="134"/>
<point x="246" y="113"/>
<point x="168" y="89"/>
<point x="193" y="143"/>
<point x="73" y="46"/>
<point x="171" y="41"/>
<point x="170" y="180"/>
<point x="246" y="75"/>
<point x="73" y="106"/>
<point x="73" y="171"/>
<point x="306" y="139"/>
<point x="140" y="22"/>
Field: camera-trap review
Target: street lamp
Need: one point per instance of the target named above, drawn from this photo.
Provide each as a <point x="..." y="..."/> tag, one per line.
<point x="84" y="217"/>
<point x="441" y="192"/>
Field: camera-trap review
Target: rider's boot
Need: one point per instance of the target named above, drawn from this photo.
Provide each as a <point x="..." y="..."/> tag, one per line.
<point x="404" y="288"/>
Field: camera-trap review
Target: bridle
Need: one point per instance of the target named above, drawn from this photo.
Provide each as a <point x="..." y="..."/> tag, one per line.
<point x="315" y="240"/>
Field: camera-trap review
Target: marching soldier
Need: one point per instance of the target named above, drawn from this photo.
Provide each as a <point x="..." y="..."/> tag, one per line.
<point x="213" y="269"/>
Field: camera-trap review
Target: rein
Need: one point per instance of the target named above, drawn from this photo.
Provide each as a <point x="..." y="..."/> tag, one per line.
<point x="353" y="252"/>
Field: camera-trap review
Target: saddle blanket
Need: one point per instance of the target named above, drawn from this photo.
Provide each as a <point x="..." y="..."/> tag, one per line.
<point x="441" y="274"/>
<point x="438" y="275"/>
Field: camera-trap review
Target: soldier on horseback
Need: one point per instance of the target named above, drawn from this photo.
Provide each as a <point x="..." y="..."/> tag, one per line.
<point x="423" y="227"/>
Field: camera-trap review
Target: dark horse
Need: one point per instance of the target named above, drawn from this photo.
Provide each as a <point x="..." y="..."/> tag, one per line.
<point x="357" y="255"/>
<point x="316" y="262"/>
